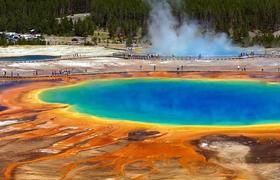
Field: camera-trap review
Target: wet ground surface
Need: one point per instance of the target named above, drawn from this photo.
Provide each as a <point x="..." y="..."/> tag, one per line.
<point x="258" y="156"/>
<point x="261" y="151"/>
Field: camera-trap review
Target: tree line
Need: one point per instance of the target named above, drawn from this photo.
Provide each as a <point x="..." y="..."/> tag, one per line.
<point x="126" y="18"/>
<point x="238" y="18"/>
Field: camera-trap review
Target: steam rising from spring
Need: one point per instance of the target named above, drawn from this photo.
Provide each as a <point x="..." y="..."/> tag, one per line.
<point x="169" y="38"/>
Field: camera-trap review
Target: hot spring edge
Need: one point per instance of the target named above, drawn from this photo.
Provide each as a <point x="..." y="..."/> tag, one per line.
<point x="174" y="102"/>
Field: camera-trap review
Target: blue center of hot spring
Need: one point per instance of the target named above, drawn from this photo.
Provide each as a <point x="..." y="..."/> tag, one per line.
<point x="176" y="102"/>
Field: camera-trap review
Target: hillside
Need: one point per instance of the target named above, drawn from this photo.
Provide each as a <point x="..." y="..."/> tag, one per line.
<point x="246" y="21"/>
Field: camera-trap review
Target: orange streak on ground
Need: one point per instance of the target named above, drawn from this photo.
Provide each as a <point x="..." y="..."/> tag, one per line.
<point x="11" y="167"/>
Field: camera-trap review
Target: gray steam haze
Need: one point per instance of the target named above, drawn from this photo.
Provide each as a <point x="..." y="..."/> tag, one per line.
<point x="169" y="38"/>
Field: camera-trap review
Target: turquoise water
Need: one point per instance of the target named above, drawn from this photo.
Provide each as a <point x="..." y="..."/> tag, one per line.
<point x="177" y="102"/>
<point x="28" y="58"/>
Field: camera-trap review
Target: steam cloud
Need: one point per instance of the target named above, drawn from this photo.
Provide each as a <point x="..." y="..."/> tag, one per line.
<point x="169" y="38"/>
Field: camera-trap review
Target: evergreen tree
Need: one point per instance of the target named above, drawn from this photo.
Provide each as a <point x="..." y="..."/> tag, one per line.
<point x="124" y="18"/>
